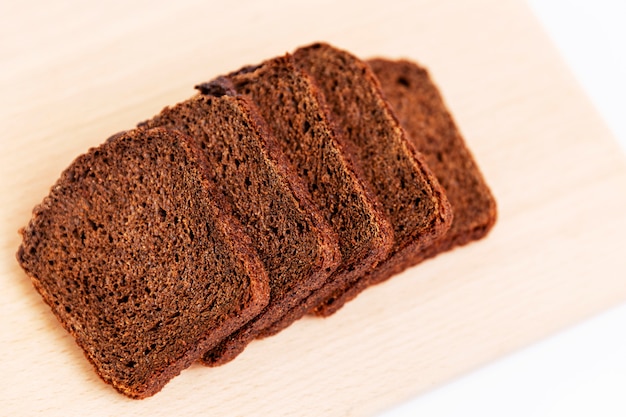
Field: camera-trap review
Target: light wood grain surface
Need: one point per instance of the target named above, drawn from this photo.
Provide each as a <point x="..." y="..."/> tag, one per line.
<point x="72" y="73"/>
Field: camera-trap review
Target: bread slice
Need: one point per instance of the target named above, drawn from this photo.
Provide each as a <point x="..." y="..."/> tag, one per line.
<point x="412" y="199"/>
<point x="422" y="112"/>
<point x="137" y="261"/>
<point x="417" y="104"/>
<point x="297" y="247"/>
<point x="296" y="116"/>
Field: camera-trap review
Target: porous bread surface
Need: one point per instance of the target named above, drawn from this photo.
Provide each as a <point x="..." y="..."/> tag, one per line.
<point x="420" y="109"/>
<point x="138" y="263"/>
<point x="422" y="112"/>
<point x="410" y="195"/>
<point x="296" y="116"/>
<point x="298" y="249"/>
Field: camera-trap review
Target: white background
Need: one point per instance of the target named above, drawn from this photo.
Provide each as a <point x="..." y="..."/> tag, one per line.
<point x="582" y="370"/>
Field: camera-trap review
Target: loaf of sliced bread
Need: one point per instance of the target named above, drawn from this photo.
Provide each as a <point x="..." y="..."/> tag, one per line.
<point x="297" y="117"/>
<point x="298" y="248"/>
<point x="410" y="195"/>
<point x="138" y="262"/>
<point x="421" y="110"/>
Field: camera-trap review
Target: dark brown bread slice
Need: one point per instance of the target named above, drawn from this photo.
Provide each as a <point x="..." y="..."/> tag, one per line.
<point x="412" y="198"/>
<point x="298" y="249"/>
<point x="293" y="110"/>
<point x="422" y="112"/>
<point x="137" y="261"/>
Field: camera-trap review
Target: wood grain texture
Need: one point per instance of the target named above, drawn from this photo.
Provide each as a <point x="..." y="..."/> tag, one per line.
<point x="72" y="73"/>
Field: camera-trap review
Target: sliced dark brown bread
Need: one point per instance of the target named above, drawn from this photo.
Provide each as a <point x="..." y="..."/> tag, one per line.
<point x="419" y="107"/>
<point x="137" y="261"/>
<point x="297" y="117"/>
<point x="422" y="112"/>
<point x="412" y="198"/>
<point x="297" y="247"/>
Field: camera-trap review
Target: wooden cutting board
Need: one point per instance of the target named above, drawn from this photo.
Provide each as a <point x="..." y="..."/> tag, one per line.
<point x="72" y="73"/>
